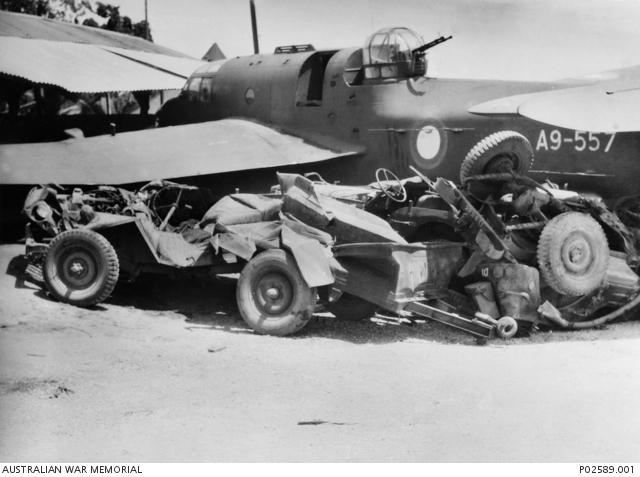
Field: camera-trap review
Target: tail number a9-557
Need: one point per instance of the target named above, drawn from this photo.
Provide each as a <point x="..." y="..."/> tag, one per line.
<point x="580" y="141"/>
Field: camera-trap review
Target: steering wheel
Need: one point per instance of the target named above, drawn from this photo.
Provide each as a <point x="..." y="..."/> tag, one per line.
<point x="395" y="192"/>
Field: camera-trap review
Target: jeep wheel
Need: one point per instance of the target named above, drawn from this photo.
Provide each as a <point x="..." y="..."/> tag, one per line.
<point x="573" y="254"/>
<point x="503" y="151"/>
<point x="81" y="268"/>
<point x="272" y="296"/>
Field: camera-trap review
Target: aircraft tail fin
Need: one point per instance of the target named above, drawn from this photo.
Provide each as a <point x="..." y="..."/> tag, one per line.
<point x="214" y="53"/>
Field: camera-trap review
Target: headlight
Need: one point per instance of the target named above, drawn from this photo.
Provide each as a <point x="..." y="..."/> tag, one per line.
<point x="42" y="212"/>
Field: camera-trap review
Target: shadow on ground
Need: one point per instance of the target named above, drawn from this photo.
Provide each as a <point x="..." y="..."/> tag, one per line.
<point x="210" y="303"/>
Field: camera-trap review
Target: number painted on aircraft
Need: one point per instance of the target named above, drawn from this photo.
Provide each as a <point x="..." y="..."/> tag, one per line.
<point x="580" y="141"/>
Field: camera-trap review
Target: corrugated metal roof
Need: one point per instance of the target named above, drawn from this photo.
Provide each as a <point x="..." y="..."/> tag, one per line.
<point x="86" y="68"/>
<point x="33" y="27"/>
<point x="182" y="66"/>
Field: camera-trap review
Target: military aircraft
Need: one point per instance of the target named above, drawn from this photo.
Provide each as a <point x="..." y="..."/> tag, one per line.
<point x="345" y="113"/>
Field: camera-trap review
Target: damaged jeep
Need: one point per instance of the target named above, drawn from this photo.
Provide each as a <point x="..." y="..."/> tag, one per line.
<point x="537" y="253"/>
<point x="497" y="255"/>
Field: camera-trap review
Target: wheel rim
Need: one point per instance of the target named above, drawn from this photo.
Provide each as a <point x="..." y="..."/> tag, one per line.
<point x="501" y="163"/>
<point x="273" y="293"/>
<point x="77" y="268"/>
<point x="577" y="255"/>
<point x="507" y="327"/>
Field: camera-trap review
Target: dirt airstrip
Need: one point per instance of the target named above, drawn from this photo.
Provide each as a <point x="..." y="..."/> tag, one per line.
<point x="167" y="371"/>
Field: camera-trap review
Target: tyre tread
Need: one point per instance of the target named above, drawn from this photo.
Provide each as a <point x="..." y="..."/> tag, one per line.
<point x="492" y="145"/>
<point x="558" y="226"/>
<point x="112" y="266"/>
<point x="299" y="317"/>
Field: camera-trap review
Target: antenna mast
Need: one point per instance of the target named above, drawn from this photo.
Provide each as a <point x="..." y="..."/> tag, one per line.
<point x="254" y="27"/>
<point x="146" y="21"/>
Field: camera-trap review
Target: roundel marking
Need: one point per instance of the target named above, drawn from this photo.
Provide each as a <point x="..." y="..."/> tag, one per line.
<point x="428" y="142"/>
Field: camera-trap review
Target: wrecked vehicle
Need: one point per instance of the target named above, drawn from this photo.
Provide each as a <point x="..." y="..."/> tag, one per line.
<point x="538" y="253"/>
<point x="497" y="255"/>
<point x="81" y="244"/>
<point x="290" y="250"/>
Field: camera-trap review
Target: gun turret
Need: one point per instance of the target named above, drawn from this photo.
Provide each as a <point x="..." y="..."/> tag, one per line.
<point x="431" y="44"/>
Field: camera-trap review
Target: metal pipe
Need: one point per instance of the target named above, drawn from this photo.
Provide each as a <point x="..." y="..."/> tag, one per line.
<point x="164" y="223"/>
<point x="581" y="325"/>
<point x="146" y="21"/>
<point x="254" y="27"/>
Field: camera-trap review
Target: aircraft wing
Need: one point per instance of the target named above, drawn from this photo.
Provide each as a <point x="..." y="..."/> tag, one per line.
<point x="163" y="153"/>
<point x="608" y="105"/>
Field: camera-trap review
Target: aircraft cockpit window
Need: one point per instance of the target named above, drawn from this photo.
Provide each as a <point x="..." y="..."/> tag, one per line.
<point x="389" y="53"/>
<point x="193" y="88"/>
<point x="206" y="90"/>
<point x="205" y="94"/>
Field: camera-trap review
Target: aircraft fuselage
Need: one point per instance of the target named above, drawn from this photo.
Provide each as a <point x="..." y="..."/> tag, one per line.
<point x="418" y="121"/>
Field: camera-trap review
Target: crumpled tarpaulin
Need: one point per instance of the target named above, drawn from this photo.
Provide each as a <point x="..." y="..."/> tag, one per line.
<point x="345" y="222"/>
<point x="238" y="226"/>
<point x="242" y="209"/>
<point x="310" y="247"/>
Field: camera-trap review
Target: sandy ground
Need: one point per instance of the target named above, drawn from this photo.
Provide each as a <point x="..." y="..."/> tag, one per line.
<point x="168" y="372"/>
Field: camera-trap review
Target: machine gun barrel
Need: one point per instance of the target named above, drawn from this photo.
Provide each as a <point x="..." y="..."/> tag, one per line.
<point x="431" y="44"/>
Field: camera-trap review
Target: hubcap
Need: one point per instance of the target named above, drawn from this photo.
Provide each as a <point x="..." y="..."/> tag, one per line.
<point x="501" y="163"/>
<point x="77" y="269"/>
<point x="273" y="293"/>
<point x="576" y="253"/>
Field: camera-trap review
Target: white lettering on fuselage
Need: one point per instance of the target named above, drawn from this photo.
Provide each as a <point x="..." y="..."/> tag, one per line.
<point x="580" y="141"/>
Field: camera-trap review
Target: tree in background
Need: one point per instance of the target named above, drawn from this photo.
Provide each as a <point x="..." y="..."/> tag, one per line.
<point x="91" y="22"/>
<point x="114" y="21"/>
<point x="63" y="102"/>
<point x="31" y="7"/>
<point x="142" y="30"/>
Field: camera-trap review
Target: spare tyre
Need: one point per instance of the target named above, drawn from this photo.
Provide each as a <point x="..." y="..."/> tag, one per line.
<point x="573" y="254"/>
<point x="503" y="151"/>
<point x="81" y="268"/>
